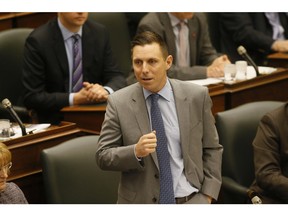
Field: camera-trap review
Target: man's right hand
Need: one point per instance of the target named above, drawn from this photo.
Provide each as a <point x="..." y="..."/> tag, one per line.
<point x="146" y="145"/>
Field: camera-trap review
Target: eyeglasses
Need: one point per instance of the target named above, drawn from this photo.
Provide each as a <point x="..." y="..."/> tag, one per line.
<point x="6" y="167"/>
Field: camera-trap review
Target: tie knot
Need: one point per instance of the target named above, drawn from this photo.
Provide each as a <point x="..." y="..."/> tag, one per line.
<point x="154" y="97"/>
<point x="181" y="24"/>
<point x="75" y="37"/>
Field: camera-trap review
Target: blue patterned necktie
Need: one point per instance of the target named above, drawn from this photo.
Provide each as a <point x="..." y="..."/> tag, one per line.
<point x="166" y="183"/>
<point x="77" y="76"/>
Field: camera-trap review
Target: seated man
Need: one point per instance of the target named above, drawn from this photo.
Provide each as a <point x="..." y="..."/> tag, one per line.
<point x="271" y="157"/>
<point x="194" y="55"/>
<point x="68" y="61"/>
<point x="260" y="33"/>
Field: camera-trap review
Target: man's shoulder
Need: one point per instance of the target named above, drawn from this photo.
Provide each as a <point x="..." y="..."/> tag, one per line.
<point x="46" y="29"/>
<point x="181" y="84"/>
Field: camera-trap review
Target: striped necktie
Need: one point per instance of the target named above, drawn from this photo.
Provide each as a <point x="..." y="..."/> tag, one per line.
<point x="77" y="75"/>
<point x="166" y="183"/>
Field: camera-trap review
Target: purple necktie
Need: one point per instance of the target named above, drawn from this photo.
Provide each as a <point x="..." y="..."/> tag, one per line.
<point x="77" y="76"/>
<point x="166" y="183"/>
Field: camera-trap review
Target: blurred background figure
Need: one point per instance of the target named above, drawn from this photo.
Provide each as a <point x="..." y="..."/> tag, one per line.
<point x="10" y="193"/>
<point x="260" y="33"/>
<point x="271" y="157"/>
<point x="188" y="41"/>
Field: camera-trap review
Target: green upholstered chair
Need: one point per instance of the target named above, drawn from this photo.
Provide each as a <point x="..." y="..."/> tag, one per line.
<point x="11" y="57"/>
<point x="117" y="25"/>
<point x="237" y="128"/>
<point x="71" y="175"/>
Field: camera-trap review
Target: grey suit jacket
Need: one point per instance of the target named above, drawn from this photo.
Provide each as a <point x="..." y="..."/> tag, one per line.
<point x="202" y="53"/>
<point x="271" y="157"/>
<point x="126" y="120"/>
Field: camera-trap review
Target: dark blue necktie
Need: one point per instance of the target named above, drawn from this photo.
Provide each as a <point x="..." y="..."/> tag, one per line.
<point x="166" y="183"/>
<point x="77" y="76"/>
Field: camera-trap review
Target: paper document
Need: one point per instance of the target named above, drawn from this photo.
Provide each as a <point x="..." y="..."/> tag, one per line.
<point x="251" y="73"/>
<point x="205" y="82"/>
<point x="30" y="128"/>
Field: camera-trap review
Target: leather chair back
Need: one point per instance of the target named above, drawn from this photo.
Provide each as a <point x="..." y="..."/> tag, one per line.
<point x="71" y="175"/>
<point x="117" y="25"/>
<point x="237" y="128"/>
<point x="12" y="43"/>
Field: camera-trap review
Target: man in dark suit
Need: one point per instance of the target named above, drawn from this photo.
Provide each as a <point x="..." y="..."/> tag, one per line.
<point x="255" y="32"/>
<point x="271" y="157"/>
<point x="202" y="59"/>
<point x="48" y="66"/>
<point x="129" y="141"/>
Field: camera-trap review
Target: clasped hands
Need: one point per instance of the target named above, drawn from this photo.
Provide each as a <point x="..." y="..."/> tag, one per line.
<point x="90" y="93"/>
<point x="216" y="69"/>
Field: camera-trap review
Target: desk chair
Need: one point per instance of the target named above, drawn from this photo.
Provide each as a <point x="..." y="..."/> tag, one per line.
<point x="11" y="56"/>
<point x="71" y="175"/>
<point x="117" y="25"/>
<point x="237" y="128"/>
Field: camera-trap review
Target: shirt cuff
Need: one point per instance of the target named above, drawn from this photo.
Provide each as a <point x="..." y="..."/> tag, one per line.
<point x="71" y="96"/>
<point x="110" y="90"/>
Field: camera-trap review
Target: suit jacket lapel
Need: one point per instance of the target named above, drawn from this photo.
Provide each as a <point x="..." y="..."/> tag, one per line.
<point x="137" y="103"/>
<point x="193" y="31"/>
<point x="169" y="34"/>
<point x="60" y="52"/>
<point x="87" y="49"/>
<point x="183" y="113"/>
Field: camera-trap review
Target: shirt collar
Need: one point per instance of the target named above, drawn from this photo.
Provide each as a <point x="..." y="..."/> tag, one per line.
<point x="175" y="21"/>
<point x="165" y="92"/>
<point x="66" y="33"/>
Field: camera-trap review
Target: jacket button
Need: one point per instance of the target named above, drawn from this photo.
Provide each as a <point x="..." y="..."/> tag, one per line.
<point x="156" y="176"/>
<point x="154" y="200"/>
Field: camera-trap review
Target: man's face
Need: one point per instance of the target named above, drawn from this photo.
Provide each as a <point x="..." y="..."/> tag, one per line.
<point x="73" y="20"/>
<point x="150" y="67"/>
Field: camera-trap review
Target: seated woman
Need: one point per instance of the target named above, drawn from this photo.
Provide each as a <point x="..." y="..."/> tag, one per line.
<point x="10" y="193"/>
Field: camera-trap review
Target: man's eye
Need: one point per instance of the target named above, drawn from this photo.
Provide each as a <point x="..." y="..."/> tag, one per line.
<point x="137" y="62"/>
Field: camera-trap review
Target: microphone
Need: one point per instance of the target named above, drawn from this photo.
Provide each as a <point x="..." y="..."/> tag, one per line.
<point x="253" y="196"/>
<point x="7" y="104"/>
<point x="242" y="51"/>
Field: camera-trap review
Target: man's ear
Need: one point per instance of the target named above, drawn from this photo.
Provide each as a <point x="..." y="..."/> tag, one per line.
<point x="169" y="61"/>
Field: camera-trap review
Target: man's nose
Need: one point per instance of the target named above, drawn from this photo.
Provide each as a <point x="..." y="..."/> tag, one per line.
<point x="145" y="67"/>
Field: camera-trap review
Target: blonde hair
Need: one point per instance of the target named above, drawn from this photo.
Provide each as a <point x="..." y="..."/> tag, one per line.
<point x="5" y="155"/>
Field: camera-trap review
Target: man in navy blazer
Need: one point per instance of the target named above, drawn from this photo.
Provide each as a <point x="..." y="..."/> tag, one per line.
<point x="48" y="66"/>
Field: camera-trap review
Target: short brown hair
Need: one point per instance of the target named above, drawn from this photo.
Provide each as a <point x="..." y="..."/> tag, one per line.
<point x="149" y="37"/>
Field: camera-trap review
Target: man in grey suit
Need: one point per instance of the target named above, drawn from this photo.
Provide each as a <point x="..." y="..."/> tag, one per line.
<point x="128" y="144"/>
<point x="202" y="59"/>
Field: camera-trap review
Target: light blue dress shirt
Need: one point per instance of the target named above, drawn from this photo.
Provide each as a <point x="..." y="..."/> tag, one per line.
<point x="168" y="110"/>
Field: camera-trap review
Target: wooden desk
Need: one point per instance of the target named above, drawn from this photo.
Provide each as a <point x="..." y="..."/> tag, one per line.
<point x="26" y="171"/>
<point x="224" y="96"/>
<point x="265" y="87"/>
<point x="24" y="19"/>
<point x="88" y="118"/>
<point x="278" y="60"/>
